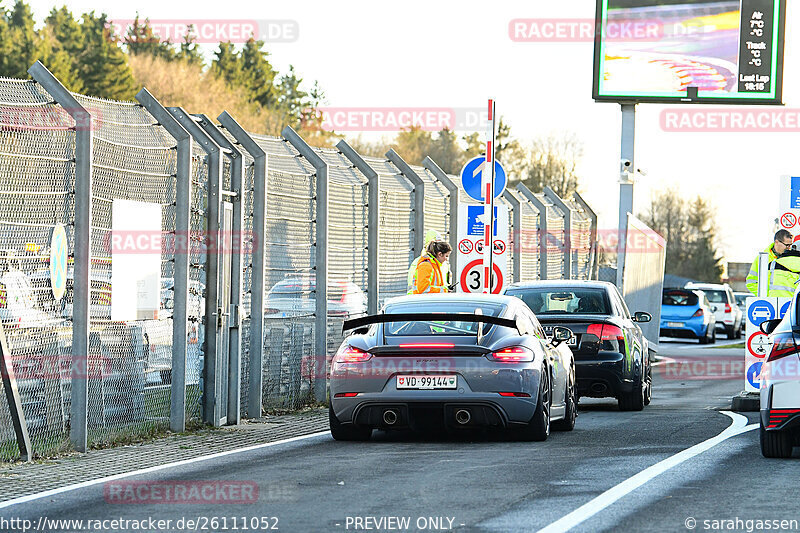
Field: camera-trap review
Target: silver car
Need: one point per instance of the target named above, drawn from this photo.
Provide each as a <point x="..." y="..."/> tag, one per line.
<point x="452" y="361"/>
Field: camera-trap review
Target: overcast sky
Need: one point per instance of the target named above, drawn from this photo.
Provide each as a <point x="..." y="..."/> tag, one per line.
<point x="457" y="54"/>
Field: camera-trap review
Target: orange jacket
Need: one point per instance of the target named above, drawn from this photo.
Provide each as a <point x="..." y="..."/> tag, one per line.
<point x="428" y="277"/>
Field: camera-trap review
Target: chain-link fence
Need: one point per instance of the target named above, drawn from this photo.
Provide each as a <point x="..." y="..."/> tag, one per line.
<point x="135" y="161"/>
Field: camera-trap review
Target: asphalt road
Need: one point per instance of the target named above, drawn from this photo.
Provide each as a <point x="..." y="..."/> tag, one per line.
<point x="479" y="484"/>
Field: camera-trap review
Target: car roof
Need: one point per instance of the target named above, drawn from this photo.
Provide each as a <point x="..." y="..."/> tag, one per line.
<point x="714" y="286"/>
<point x="562" y="283"/>
<point x="453" y="297"/>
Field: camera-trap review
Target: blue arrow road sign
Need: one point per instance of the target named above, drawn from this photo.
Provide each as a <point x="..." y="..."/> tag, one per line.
<point x="753" y="373"/>
<point x="471" y="178"/>
<point x="784" y="308"/>
<point x="760" y="311"/>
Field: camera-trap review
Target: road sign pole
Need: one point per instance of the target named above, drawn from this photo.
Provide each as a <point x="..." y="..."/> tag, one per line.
<point x="488" y="211"/>
<point x="763" y="274"/>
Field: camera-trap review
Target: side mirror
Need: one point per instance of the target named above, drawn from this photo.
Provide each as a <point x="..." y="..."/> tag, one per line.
<point x="768" y="326"/>
<point x="641" y="316"/>
<point x="561" y="334"/>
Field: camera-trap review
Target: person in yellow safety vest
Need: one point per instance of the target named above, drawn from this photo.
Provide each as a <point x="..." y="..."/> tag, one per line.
<point x="430" y="236"/>
<point x="782" y="241"/>
<point x="428" y="276"/>
<point x="784" y="273"/>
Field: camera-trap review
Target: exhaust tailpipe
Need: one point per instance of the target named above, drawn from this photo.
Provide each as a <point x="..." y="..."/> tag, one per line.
<point x="390" y="417"/>
<point x="599" y="388"/>
<point x="463" y="416"/>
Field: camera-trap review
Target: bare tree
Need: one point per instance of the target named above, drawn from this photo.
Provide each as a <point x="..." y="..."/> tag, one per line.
<point x="551" y="160"/>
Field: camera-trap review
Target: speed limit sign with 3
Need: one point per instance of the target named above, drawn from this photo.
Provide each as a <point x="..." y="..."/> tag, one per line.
<point x="469" y="259"/>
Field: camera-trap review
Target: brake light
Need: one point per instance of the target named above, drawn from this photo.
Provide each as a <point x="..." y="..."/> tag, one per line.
<point x="782" y="345"/>
<point x="515" y="394"/>
<point x="779" y="416"/>
<point x="351" y="354"/>
<point x="428" y="345"/>
<point x="516" y="354"/>
<point x="605" y="332"/>
<point x="727" y="308"/>
<point x="699" y="312"/>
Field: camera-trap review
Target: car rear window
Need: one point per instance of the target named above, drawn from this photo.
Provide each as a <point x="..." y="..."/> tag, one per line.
<point x="679" y="298"/>
<point x="439" y="327"/>
<point x="554" y="301"/>
<point x="717" y="297"/>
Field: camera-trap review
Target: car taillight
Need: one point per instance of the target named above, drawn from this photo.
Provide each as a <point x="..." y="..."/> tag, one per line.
<point x="516" y="354"/>
<point x="515" y="394"/>
<point x="429" y="345"/>
<point x="605" y="332"/>
<point x="782" y="345"/>
<point x="346" y="395"/>
<point x="351" y="354"/>
<point x="699" y="312"/>
<point x="727" y="308"/>
<point x="779" y="416"/>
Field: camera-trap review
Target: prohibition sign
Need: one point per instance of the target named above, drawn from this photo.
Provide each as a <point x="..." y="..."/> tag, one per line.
<point x="758" y="344"/>
<point x="788" y="220"/>
<point x="479" y="246"/>
<point x="499" y="247"/>
<point x="471" y="277"/>
<point x="465" y="246"/>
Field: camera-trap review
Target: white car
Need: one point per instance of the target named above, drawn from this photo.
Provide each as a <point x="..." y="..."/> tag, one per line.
<point x="723" y="303"/>
<point x="780" y="386"/>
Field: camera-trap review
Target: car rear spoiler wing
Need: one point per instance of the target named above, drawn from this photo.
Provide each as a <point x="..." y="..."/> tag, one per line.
<point x="355" y="323"/>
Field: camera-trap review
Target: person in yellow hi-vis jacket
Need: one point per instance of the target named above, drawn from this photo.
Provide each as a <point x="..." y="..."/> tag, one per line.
<point x="430" y="236"/>
<point x="782" y="242"/>
<point x="428" y="276"/>
<point x="784" y="274"/>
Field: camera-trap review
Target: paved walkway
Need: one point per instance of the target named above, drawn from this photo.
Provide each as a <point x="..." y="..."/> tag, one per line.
<point x="22" y="479"/>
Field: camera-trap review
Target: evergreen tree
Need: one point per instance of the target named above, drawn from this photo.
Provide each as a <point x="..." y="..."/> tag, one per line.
<point x="257" y="74"/>
<point x="104" y="67"/>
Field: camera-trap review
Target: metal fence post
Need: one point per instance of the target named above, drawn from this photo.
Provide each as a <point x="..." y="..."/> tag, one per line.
<point x="212" y="410"/>
<point x="526" y="192"/>
<point x="255" y="381"/>
<point x="183" y="199"/>
<point x="517" y="221"/>
<point x="321" y="284"/>
<point x="14" y="400"/>
<point x="593" y="235"/>
<point x="78" y="429"/>
<point x="234" y="306"/>
<point x="452" y="188"/>
<point x="419" y="199"/>
<point x="373" y="223"/>
<point x="567" y="244"/>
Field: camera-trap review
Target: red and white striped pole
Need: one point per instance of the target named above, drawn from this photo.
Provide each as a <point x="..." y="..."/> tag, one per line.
<point x="488" y="202"/>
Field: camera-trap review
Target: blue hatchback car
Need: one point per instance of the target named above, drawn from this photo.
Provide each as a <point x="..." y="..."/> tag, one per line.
<point x="687" y="314"/>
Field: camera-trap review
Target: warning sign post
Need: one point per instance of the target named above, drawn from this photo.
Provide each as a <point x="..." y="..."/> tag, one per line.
<point x="470" y="268"/>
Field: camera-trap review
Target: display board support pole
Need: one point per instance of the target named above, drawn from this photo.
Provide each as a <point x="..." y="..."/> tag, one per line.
<point x="625" y="184"/>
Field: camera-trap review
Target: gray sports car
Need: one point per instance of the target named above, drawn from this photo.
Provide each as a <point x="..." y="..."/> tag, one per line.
<point x="452" y="361"/>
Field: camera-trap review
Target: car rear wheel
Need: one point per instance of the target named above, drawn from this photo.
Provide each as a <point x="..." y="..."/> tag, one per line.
<point x="705" y="339"/>
<point x="571" y="411"/>
<point x="732" y="332"/>
<point x="649" y="385"/>
<point x="634" y="400"/>
<point x="340" y="431"/>
<point x="538" y="428"/>
<point x="776" y="444"/>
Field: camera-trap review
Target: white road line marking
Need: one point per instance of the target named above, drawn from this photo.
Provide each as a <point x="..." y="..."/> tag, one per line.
<point x="83" y="484"/>
<point x="586" y="511"/>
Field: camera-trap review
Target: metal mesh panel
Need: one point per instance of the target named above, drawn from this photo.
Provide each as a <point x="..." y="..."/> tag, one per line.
<point x="37" y="182"/>
<point x="347" y="243"/>
<point x="396" y="228"/>
<point x="290" y="276"/>
<point x="555" y="238"/>
<point x="197" y="281"/>
<point x="437" y="203"/>
<point x="529" y="239"/>
<point x="134" y="159"/>
<point x="581" y="241"/>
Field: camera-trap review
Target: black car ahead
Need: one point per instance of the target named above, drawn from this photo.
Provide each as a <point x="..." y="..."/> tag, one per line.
<point x="611" y="353"/>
